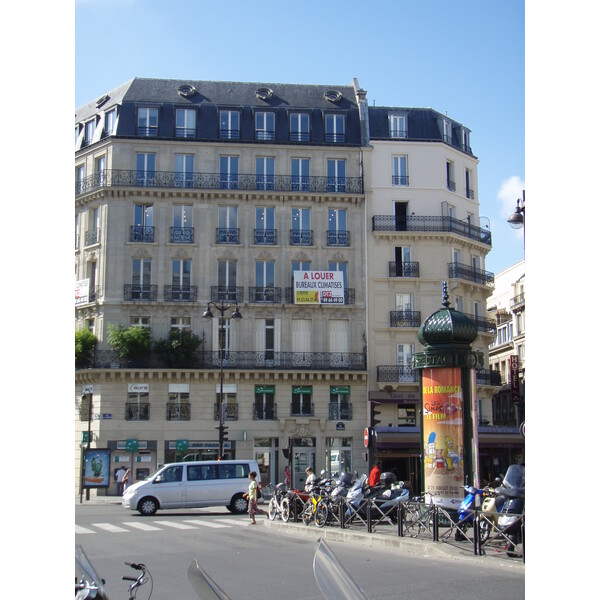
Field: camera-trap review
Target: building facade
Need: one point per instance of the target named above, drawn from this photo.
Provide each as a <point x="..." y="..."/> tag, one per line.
<point x="196" y="194"/>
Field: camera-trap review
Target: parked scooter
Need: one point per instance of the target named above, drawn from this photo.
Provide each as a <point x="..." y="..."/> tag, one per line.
<point x="361" y="490"/>
<point x="511" y="514"/>
<point x="493" y="501"/>
<point x="466" y="510"/>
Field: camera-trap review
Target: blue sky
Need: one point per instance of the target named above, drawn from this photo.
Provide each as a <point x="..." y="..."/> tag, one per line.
<point x="464" y="58"/>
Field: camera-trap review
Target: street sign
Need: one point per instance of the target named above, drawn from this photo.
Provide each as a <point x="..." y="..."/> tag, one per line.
<point x="366" y="437"/>
<point x="131" y="445"/>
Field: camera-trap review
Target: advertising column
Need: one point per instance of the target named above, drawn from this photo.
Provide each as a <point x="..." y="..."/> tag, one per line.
<point x="443" y="435"/>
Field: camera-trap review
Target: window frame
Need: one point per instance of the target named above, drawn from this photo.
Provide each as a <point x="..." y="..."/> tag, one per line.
<point x="264" y="131"/>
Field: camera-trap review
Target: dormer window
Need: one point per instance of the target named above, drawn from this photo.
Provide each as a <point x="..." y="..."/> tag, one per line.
<point x="466" y="141"/>
<point x="147" y="123"/>
<point x="335" y="128"/>
<point x="447" y="132"/>
<point x="397" y="126"/>
<point x="229" y="125"/>
<point x="265" y="125"/>
<point x="90" y="128"/>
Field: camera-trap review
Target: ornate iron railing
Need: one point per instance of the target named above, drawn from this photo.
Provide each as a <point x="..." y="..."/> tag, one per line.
<point x="147" y="293"/>
<point x="220" y="293"/>
<point x="338" y="238"/>
<point x="488" y="377"/>
<point x="340" y="413"/>
<point x="216" y="181"/>
<point x="268" y="413"/>
<point x="182" y="235"/>
<point x="396" y="374"/>
<point x="427" y="224"/>
<point x="231" y="411"/>
<point x="137" y="411"/>
<point x="178" y="411"/>
<point x="301" y="238"/>
<point x="139" y="233"/>
<point x="174" y="293"/>
<point x="483" y="324"/>
<point x="405" y="318"/>
<point x="266" y="237"/>
<point x="92" y="237"/>
<point x="403" y="269"/>
<point x="460" y="271"/>
<point x="228" y="235"/>
<point x="264" y="294"/>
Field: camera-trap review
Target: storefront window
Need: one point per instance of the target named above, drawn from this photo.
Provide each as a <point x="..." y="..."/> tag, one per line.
<point x="338" y="455"/>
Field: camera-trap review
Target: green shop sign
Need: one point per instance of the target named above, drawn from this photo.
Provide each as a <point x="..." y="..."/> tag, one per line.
<point x="344" y="389"/>
<point x="264" y="389"/>
<point x="181" y="445"/>
<point x="301" y="390"/>
<point x="131" y="445"/>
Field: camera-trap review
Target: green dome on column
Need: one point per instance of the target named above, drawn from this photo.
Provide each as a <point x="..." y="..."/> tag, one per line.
<point x="447" y="327"/>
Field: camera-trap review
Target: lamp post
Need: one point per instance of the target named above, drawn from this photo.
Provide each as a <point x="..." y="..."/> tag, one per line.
<point x="222" y="308"/>
<point x="517" y="219"/>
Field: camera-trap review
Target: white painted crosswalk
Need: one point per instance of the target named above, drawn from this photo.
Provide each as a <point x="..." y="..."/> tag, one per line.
<point x="159" y="525"/>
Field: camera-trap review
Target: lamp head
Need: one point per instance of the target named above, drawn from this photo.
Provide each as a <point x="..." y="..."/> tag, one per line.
<point x="207" y="314"/>
<point x="236" y="314"/>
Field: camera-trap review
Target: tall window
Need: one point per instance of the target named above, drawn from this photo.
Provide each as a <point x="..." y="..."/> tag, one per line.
<point x="403" y="262"/>
<point x="183" y="227"/>
<point x="337" y="227"/>
<point x="301" y="233"/>
<point x="227" y="280"/>
<point x="397" y="126"/>
<point x="447" y="132"/>
<point x="265" y="173"/>
<point x="339" y="403"/>
<point x="141" y="278"/>
<point x="264" y="232"/>
<point x="301" y="401"/>
<point x="145" y="169"/>
<point x="147" y="122"/>
<point x="265" y="281"/>
<point x="400" y="170"/>
<point x="229" y="125"/>
<point x="184" y="170"/>
<point x="228" y="172"/>
<point x="335" y="128"/>
<point x="79" y="179"/>
<point x="469" y="193"/>
<point x="138" y="406"/>
<point x="299" y="127"/>
<point x="100" y="175"/>
<point x="299" y="265"/>
<point x="143" y="223"/>
<point x="450" y="181"/>
<point x="185" y="122"/>
<point x="264" y="402"/>
<point x="404" y="360"/>
<point x="90" y="128"/>
<point x="110" y="121"/>
<point x="228" y="231"/>
<point x="181" y="279"/>
<point x="178" y="406"/>
<point x="265" y="125"/>
<point x="300" y="174"/>
<point x="336" y="175"/>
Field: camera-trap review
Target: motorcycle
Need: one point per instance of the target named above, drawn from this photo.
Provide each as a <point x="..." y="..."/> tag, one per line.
<point x="493" y="501"/>
<point x="510" y="517"/>
<point x="466" y="510"/>
<point x="384" y="496"/>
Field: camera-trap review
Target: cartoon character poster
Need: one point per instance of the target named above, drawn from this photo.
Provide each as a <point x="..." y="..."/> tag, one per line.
<point x="96" y="468"/>
<point x="443" y="435"/>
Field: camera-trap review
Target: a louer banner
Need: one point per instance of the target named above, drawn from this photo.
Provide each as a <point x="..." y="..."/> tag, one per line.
<point x="318" y="287"/>
<point x="443" y="435"/>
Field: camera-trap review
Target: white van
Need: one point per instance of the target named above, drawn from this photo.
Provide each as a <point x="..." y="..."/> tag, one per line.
<point x="192" y="485"/>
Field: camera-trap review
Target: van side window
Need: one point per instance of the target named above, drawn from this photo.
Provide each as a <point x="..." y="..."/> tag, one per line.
<point x="194" y="473"/>
<point x="172" y="474"/>
<point x="226" y="471"/>
<point x="207" y="472"/>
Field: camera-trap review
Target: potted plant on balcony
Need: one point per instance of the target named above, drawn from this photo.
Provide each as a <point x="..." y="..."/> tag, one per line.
<point x="132" y="344"/>
<point x="85" y="346"/>
<point x="179" y="350"/>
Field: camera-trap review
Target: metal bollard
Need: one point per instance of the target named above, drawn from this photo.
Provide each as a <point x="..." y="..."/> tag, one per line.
<point x="435" y="524"/>
<point x="401" y="520"/>
<point x="369" y="526"/>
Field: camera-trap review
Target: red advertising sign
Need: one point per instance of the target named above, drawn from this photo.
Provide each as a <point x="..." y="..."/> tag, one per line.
<point x="515" y="391"/>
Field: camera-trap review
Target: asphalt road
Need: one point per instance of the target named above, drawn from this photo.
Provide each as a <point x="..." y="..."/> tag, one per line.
<point x="259" y="561"/>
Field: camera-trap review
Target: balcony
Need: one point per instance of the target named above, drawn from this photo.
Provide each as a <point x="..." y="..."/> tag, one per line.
<point x="403" y="269"/>
<point x="231" y="411"/>
<point x="405" y="318"/>
<point x="176" y="293"/>
<point x="92" y="237"/>
<point x="484" y="325"/>
<point x="228" y="235"/>
<point x="399" y="179"/>
<point x="216" y="181"/>
<point x="301" y="238"/>
<point x="270" y="295"/>
<point x="265" y="237"/>
<point x="182" y="235"/>
<point x="460" y="271"/>
<point x="265" y="413"/>
<point x="340" y="412"/>
<point x="488" y="377"/>
<point x="396" y="374"/>
<point x="148" y="293"/>
<point x="451" y="185"/>
<point x="338" y="238"/>
<point x="178" y="412"/>
<point x="220" y="293"/>
<point x="386" y="223"/>
<point x="137" y="411"/>
<point x="139" y="233"/>
<point x="517" y="302"/>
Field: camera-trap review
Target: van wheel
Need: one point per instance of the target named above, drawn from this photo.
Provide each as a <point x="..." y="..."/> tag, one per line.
<point x="147" y="506"/>
<point x="239" y="504"/>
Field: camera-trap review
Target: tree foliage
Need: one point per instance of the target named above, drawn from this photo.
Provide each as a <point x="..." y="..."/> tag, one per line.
<point x="130" y="343"/>
<point x="179" y="350"/>
<point x="85" y="346"/>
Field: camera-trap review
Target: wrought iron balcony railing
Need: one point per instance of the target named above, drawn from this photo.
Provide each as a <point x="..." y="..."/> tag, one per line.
<point x="264" y="294"/>
<point x="460" y="271"/>
<point x="396" y="374"/>
<point x="399" y="179"/>
<point x="231" y="412"/>
<point x="139" y="233"/>
<point x="178" y="411"/>
<point x="92" y="237"/>
<point x="517" y="301"/>
<point x="427" y="224"/>
<point x="265" y="237"/>
<point x="216" y="181"/>
<point x="227" y="235"/>
<point x="488" y="377"/>
<point x="340" y="413"/>
<point x="483" y="324"/>
<point x="301" y="238"/>
<point x="220" y="293"/>
<point x="301" y="411"/>
<point x="403" y="269"/>
<point x="451" y="185"/>
<point x="137" y="411"/>
<point x="405" y="318"/>
<point x="147" y="293"/>
<point x="262" y="413"/>
<point x="182" y="235"/>
<point x="176" y="293"/>
<point x="338" y="238"/>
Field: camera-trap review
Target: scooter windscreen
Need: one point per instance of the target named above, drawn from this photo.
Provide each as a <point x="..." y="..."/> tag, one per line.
<point x="515" y="477"/>
<point x="331" y="576"/>
<point x="84" y="570"/>
<point x="203" y="585"/>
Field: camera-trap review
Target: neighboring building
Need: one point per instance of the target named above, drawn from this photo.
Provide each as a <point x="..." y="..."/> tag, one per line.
<point x="424" y="228"/>
<point x="505" y="413"/>
<point x="190" y="192"/>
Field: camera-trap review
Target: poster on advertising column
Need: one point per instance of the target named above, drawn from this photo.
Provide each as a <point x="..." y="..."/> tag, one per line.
<point x="443" y="435"/>
<point x="318" y="287"/>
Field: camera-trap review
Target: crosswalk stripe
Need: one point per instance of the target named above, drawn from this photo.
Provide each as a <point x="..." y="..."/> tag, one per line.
<point x="238" y="522"/>
<point x="79" y="530"/>
<point x="174" y="524"/>
<point x="110" y="527"/>
<point x="142" y="526"/>
<point x="205" y="523"/>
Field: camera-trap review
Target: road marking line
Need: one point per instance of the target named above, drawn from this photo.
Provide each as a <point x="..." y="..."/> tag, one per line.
<point x="79" y="530"/>
<point x="142" y="526"/>
<point x="205" y="523"/>
<point x="239" y="522"/>
<point x="174" y="524"/>
<point x="110" y="527"/>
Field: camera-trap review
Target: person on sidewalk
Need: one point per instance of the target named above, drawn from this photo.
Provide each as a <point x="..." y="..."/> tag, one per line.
<point x="252" y="497"/>
<point x="311" y="478"/>
<point x="375" y="474"/>
<point x="119" y="475"/>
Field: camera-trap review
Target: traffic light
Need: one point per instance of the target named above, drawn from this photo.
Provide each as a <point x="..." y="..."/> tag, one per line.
<point x="376" y="413"/>
<point x="286" y="452"/>
<point x="222" y="432"/>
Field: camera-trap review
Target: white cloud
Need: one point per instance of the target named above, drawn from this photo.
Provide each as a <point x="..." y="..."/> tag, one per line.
<point x="510" y="189"/>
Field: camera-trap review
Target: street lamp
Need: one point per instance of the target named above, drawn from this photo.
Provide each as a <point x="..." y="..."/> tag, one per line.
<point x="517" y="219"/>
<point x="222" y="308"/>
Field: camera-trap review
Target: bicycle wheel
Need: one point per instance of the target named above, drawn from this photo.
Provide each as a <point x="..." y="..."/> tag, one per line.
<point x="272" y="509"/>
<point x="285" y="510"/>
<point x="321" y="514"/>
<point x="307" y="513"/>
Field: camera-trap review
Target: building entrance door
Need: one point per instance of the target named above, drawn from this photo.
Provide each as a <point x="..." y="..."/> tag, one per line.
<point x="304" y="457"/>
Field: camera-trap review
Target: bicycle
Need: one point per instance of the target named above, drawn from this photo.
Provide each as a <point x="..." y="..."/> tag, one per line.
<point x="315" y="508"/>
<point x="279" y="504"/>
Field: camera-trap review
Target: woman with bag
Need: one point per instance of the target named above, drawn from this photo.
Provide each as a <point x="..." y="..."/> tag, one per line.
<point x="252" y="497"/>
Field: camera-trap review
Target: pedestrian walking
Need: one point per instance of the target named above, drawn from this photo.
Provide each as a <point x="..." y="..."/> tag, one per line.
<point x="126" y="479"/>
<point x="287" y="475"/>
<point x="311" y="478"/>
<point x="375" y="474"/>
<point x="119" y="476"/>
<point x="252" y="497"/>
